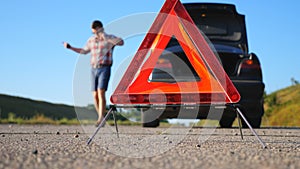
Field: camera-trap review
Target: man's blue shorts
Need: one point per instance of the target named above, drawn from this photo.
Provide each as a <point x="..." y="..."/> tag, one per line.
<point x="100" y="78"/>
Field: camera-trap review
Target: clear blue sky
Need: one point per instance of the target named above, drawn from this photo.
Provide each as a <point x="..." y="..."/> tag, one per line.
<point x="34" y="64"/>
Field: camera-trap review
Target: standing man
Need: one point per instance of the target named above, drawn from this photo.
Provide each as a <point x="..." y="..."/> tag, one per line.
<point x="101" y="47"/>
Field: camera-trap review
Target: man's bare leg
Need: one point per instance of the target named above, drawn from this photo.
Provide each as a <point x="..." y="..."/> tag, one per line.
<point x="102" y="104"/>
<point x="96" y="101"/>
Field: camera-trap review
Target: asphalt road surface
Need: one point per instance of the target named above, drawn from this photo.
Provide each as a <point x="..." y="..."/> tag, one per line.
<point x="46" y="146"/>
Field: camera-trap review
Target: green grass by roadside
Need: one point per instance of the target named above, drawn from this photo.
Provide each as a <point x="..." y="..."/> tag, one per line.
<point x="41" y="119"/>
<point x="282" y="108"/>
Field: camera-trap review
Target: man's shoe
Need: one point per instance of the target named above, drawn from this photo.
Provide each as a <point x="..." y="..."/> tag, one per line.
<point x="98" y="123"/>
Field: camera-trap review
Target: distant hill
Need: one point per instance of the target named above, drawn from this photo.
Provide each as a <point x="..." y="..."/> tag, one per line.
<point x="27" y="108"/>
<point x="282" y="108"/>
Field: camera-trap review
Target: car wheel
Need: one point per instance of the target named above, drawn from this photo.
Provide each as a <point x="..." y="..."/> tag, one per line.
<point x="226" y="122"/>
<point x="255" y="122"/>
<point x="150" y="118"/>
<point x="154" y="123"/>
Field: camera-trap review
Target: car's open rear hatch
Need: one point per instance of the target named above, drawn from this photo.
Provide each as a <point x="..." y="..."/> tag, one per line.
<point x="220" y="23"/>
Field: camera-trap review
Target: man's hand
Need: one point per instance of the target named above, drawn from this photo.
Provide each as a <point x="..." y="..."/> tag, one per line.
<point x="77" y="50"/>
<point x="67" y="45"/>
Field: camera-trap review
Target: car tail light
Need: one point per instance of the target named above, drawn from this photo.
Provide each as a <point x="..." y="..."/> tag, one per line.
<point x="250" y="68"/>
<point x="250" y="64"/>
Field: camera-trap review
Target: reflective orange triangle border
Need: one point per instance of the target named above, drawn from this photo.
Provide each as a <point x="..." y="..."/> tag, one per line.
<point x="214" y="86"/>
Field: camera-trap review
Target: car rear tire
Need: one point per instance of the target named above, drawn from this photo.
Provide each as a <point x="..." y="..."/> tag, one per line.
<point x="154" y="123"/>
<point x="253" y="115"/>
<point x="226" y="122"/>
<point x="255" y="122"/>
<point x="150" y="118"/>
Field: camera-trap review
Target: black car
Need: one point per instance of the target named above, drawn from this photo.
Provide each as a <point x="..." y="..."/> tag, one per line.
<point x="226" y="30"/>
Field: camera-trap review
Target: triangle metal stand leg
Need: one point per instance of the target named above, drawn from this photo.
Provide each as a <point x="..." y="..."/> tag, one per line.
<point x="112" y="110"/>
<point x="240" y="124"/>
<point x="240" y="114"/>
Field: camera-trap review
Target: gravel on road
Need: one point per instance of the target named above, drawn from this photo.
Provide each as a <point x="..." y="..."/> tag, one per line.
<point x="50" y="146"/>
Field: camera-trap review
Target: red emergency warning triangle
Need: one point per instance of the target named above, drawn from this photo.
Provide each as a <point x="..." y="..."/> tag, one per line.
<point x="146" y="80"/>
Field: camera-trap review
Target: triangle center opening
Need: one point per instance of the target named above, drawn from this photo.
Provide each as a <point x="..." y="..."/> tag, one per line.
<point x="173" y="65"/>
